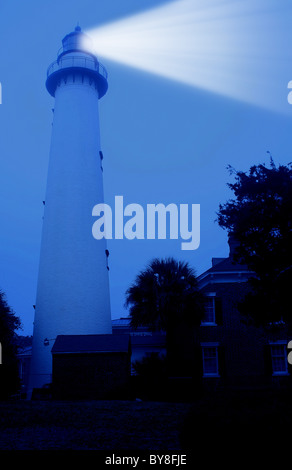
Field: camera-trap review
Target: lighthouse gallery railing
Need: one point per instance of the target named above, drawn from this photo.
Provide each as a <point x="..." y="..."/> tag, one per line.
<point x="75" y="61"/>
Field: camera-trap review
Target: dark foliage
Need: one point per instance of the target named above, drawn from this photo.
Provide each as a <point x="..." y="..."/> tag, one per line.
<point x="259" y="218"/>
<point x="151" y="366"/>
<point x="9" y="323"/>
<point x="164" y="293"/>
<point x="23" y="341"/>
<point x="165" y="297"/>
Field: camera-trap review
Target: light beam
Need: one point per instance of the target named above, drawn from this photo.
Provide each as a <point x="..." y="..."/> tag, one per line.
<point x="237" y="48"/>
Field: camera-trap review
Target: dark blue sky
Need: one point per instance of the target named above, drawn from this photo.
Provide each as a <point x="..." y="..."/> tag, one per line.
<point x="162" y="142"/>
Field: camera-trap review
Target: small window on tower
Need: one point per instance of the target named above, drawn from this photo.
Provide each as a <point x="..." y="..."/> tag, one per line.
<point x="101" y="158"/>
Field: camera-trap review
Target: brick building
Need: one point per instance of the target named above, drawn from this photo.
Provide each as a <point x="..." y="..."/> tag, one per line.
<point x="231" y="352"/>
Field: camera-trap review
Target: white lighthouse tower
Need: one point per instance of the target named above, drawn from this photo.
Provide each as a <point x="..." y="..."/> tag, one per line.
<point x="73" y="286"/>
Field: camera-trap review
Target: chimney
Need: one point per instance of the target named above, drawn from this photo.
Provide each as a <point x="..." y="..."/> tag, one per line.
<point x="233" y="244"/>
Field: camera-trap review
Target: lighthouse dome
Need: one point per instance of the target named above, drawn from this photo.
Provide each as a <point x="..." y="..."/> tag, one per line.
<point x="76" y="56"/>
<point x="76" y="41"/>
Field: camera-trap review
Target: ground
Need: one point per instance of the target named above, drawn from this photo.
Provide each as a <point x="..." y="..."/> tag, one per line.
<point x="92" y="425"/>
<point x="243" y="419"/>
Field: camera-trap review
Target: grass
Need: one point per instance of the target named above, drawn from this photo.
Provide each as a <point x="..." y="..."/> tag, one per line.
<point x="240" y="418"/>
<point x="96" y="425"/>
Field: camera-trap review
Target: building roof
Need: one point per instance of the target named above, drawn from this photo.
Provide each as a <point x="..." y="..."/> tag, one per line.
<point x="91" y="343"/>
<point x="226" y="265"/>
<point x="121" y="322"/>
<point x="25" y="352"/>
<point x="123" y="325"/>
<point x="224" y="270"/>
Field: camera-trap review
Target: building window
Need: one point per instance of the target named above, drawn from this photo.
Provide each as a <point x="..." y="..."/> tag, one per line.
<point x="279" y="358"/>
<point x="210" y="360"/>
<point x="209" y="315"/>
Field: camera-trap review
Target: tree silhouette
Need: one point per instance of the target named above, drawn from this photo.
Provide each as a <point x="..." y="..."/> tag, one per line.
<point x="151" y="366"/>
<point x="9" y="322"/>
<point x="259" y="218"/>
<point x="165" y="297"/>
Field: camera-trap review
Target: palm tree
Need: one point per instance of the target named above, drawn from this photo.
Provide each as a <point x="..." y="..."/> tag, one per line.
<point x="165" y="297"/>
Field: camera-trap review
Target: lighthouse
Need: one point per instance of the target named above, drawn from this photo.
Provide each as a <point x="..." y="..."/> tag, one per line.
<point x="73" y="295"/>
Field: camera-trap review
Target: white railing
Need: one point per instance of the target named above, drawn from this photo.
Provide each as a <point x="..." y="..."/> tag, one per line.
<point x="77" y="61"/>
